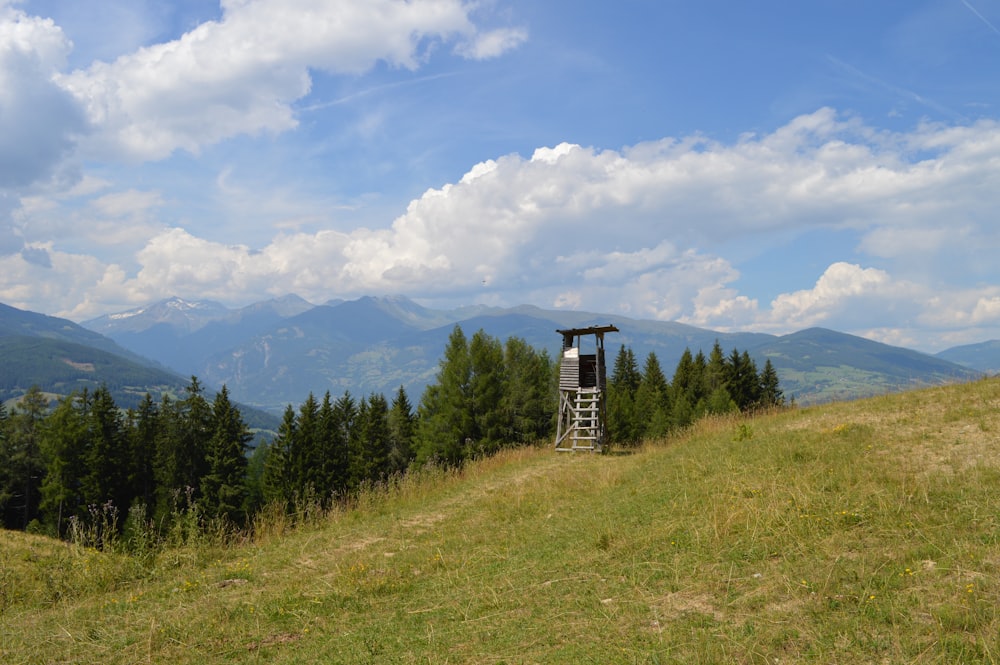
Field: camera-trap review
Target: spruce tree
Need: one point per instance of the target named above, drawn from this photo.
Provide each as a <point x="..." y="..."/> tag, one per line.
<point x="22" y="469"/>
<point x="342" y="421"/>
<point x="715" y="370"/>
<point x="256" y="460"/>
<point x="651" y="416"/>
<point x="307" y="462"/>
<point x="685" y="376"/>
<point x="682" y="412"/>
<point x="624" y="424"/>
<point x="719" y="402"/>
<point x="402" y="428"/>
<point x="277" y="482"/>
<point x="142" y="428"/>
<point x="107" y="460"/>
<point x="182" y="447"/>
<point x="370" y="442"/>
<point x="325" y="436"/>
<point x="699" y="384"/>
<point x="225" y="486"/>
<point x="770" y="392"/>
<point x="742" y="380"/>
<point x="625" y="376"/>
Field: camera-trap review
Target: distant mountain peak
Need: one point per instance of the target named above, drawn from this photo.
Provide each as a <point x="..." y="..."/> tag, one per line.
<point x="175" y="302"/>
<point x="175" y="312"/>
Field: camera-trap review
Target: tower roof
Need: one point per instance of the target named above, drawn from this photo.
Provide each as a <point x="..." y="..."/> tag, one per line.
<point x="592" y="330"/>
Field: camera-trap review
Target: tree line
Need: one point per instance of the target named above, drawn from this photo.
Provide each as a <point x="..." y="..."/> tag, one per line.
<point x="58" y="464"/>
<point x="643" y="404"/>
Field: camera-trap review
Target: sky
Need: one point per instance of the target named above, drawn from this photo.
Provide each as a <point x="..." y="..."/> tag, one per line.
<point x="761" y="166"/>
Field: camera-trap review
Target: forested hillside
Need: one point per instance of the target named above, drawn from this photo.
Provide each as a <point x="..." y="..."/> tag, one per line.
<point x="87" y="461"/>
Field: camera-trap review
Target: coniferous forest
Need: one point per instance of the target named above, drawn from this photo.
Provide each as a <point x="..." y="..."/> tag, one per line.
<point x="81" y="461"/>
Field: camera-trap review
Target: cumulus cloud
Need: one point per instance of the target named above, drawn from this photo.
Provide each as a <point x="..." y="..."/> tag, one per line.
<point x="642" y="231"/>
<point x="842" y="285"/>
<point x="240" y="74"/>
<point x="39" y="121"/>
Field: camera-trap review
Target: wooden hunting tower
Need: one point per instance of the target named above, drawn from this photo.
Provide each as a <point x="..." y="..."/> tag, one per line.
<point x="582" y="391"/>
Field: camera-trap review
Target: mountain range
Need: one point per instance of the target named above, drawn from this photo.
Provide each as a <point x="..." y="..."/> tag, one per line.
<point x="274" y="353"/>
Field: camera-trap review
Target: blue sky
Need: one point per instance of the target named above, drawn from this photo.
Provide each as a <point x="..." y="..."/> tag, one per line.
<point x="763" y="166"/>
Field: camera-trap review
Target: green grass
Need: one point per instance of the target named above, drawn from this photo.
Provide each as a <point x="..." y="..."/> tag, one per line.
<point x="866" y="531"/>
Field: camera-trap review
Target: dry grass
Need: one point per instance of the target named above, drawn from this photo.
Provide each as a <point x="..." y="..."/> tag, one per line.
<point x="857" y="532"/>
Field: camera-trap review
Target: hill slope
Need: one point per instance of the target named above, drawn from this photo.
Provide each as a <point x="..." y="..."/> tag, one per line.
<point x="820" y="365"/>
<point x="16" y="322"/>
<point x="984" y="357"/>
<point x="60" y="367"/>
<point x="59" y="357"/>
<point x="852" y="532"/>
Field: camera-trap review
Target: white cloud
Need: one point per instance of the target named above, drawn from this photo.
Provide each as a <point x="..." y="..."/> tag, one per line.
<point x="642" y="231"/>
<point x="131" y="203"/>
<point x="239" y="75"/>
<point x="841" y="285"/>
<point x="492" y="44"/>
<point x="987" y="310"/>
<point x="39" y="121"/>
<point x="64" y="280"/>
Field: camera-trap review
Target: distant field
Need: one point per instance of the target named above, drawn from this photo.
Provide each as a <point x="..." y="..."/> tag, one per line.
<point x="856" y="532"/>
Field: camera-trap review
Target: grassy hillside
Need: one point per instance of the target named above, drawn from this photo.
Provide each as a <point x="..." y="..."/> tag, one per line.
<point x="866" y="531"/>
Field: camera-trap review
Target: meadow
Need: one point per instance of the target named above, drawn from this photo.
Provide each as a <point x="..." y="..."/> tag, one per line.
<point x="853" y="532"/>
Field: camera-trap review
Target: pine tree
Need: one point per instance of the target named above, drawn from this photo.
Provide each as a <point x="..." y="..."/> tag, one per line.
<point x="623" y="421"/>
<point x="770" y="392"/>
<point x="715" y="370"/>
<point x="625" y="376"/>
<point x="529" y="405"/>
<point x="742" y="380"/>
<point x="326" y="479"/>
<point x="719" y="402"/>
<point x="338" y="432"/>
<point x="682" y="412"/>
<point x="143" y="428"/>
<point x="277" y="482"/>
<point x="718" y="399"/>
<point x="22" y="468"/>
<point x="307" y="462"/>
<point x="182" y="447"/>
<point x="486" y="392"/>
<point x="699" y="384"/>
<point x="445" y="412"/>
<point x="402" y="428"/>
<point x="224" y="486"/>
<point x="63" y="448"/>
<point x="107" y="460"/>
<point x="685" y="376"/>
<point x="370" y="442"/>
<point x="651" y="416"/>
